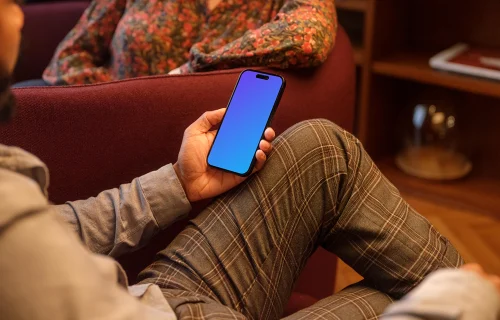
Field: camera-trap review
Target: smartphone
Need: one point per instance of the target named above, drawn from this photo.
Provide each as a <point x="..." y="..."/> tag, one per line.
<point x="249" y="112"/>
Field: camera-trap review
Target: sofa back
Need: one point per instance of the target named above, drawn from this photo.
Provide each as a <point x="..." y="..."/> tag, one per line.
<point x="46" y="24"/>
<point x="95" y="137"/>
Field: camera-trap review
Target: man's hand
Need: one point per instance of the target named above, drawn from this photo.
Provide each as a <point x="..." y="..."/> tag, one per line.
<point x="476" y="268"/>
<point x="199" y="180"/>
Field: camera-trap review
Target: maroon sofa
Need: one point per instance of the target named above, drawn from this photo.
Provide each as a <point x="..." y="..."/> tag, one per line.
<point x="46" y="24"/>
<point x="95" y="137"/>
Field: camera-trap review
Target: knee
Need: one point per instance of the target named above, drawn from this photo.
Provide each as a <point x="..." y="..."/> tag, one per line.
<point x="311" y="151"/>
<point x="324" y="125"/>
<point x="314" y="143"/>
<point x="319" y="134"/>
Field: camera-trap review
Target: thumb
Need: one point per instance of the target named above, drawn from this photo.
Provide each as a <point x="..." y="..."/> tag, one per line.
<point x="208" y="120"/>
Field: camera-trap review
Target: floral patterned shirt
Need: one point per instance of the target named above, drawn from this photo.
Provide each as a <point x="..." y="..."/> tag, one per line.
<point x="118" y="39"/>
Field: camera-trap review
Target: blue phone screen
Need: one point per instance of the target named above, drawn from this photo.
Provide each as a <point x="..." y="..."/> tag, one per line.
<point x="245" y="121"/>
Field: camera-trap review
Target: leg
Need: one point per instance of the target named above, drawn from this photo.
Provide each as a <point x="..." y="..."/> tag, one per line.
<point x="319" y="187"/>
<point x="357" y="301"/>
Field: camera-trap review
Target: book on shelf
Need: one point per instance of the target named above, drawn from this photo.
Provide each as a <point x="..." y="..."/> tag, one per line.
<point x="465" y="59"/>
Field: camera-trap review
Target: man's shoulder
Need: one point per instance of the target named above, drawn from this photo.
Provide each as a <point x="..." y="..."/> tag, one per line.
<point x="19" y="195"/>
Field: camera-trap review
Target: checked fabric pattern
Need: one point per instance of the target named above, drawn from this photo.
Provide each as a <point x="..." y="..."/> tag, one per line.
<point x="239" y="259"/>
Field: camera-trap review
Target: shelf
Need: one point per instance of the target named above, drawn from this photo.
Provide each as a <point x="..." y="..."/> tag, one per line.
<point x="358" y="55"/>
<point x="415" y="67"/>
<point x="475" y="192"/>
<point x="352" y="5"/>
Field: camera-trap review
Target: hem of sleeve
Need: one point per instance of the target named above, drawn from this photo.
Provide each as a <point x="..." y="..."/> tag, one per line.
<point x="165" y="195"/>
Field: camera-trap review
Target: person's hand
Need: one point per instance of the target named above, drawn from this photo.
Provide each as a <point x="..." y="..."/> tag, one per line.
<point x="199" y="180"/>
<point x="476" y="268"/>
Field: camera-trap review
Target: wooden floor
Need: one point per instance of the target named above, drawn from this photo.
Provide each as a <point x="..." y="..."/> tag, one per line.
<point x="475" y="235"/>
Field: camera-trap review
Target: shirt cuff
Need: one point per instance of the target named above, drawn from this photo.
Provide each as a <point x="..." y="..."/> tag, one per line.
<point x="165" y="196"/>
<point x="449" y="294"/>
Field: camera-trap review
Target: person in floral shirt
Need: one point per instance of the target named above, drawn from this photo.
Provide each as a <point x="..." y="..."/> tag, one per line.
<point x="119" y="39"/>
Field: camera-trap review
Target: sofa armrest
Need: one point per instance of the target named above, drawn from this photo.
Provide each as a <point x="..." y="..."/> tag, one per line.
<point x="46" y="25"/>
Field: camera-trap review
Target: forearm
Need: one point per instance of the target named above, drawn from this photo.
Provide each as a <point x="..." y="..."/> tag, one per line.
<point x="126" y="218"/>
<point x="302" y="35"/>
<point x="448" y="295"/>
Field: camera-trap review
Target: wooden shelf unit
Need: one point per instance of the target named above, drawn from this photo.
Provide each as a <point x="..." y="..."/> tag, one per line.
<point x="475" y="192"/>
<point x="358" y="55"/>
<point x="415" y="67"/>
<point x="392" y="56"/>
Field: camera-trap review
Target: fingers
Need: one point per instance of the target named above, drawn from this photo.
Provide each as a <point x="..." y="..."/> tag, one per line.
<point x="496" y="281"/>
<point x="261" y="158"/>
<point x="476" y="268"/>
<point x="265" y="146"/>
<point x="473" y="267"/>
<point x="207" y="120"/>
<point x="269" y="134"/>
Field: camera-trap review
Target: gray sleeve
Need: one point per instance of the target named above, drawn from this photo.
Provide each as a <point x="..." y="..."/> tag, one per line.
<point x="124" y="219"/>
<point x="448" y="295"/>
<point x="46" y="273"/>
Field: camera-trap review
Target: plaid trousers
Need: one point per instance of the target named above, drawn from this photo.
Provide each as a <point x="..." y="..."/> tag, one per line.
<point x="240" y="258"/>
